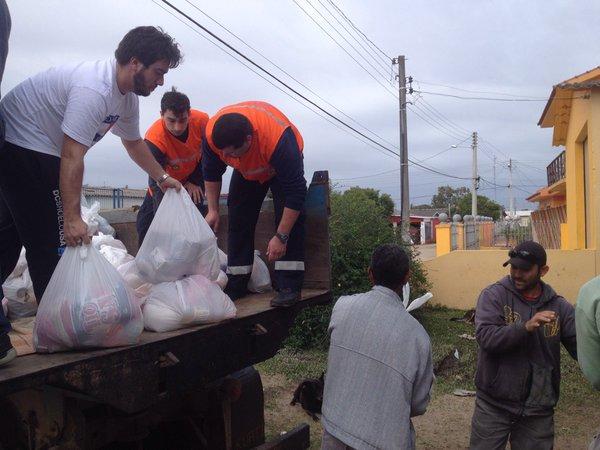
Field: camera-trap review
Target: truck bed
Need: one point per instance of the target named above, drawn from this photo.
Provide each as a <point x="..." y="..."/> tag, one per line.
<point x="163" y="364"/>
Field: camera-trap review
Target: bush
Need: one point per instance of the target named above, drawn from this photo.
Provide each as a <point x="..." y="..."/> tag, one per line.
<point x="359" y="222"/>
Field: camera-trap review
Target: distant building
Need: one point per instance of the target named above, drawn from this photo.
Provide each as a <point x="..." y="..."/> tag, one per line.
<point x="114" y="198"/>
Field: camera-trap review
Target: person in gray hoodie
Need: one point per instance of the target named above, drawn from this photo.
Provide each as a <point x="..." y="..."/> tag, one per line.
<point x="520" y="323"/>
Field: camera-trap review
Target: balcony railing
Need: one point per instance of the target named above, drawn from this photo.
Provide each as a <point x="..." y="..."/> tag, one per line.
<point x="556" y="170"/>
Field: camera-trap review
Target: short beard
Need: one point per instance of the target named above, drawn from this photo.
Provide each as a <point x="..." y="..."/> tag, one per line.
<point x="139" y="85"/>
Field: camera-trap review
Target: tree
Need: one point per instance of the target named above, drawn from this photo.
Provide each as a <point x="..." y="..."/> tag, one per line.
<point x="384" y="201"/>
<point x="485" y="206"/>
<point x="359" y="222"/>
<point x="447" y="196"/>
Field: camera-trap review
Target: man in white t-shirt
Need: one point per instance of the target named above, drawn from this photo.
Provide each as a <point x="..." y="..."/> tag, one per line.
<point x="51" y="121"/>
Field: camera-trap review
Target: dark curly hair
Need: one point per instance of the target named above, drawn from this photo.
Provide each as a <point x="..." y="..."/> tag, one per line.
<point x="148" y="44"/>
<point x="231" y="130"/>
<point x="175" y="101"/>
<point x="389" y="265"/>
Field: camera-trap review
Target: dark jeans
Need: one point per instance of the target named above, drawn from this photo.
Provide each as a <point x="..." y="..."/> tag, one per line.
<point x="493" y="427"/>
<point x="243" y="203"/>
<point x="31" y="213"/>
<point x="148" y="210"/>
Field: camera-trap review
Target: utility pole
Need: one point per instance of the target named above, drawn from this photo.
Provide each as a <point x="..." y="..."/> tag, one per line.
<point x="404" y="198"/>
<point x="495" y="196"/>
<point x="511" y="199"/>
<point x="475" y="180"/>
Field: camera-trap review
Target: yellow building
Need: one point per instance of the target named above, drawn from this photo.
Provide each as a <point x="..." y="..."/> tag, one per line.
<point x="573" y="111"/>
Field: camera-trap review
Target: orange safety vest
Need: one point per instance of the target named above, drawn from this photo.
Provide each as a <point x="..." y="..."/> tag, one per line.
<point x="268" y="124"/>
<point x="182" y="157"/>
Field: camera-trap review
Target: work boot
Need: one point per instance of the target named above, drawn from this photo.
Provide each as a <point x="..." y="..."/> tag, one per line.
<point x="7" y="351"/>
<point x="285" y="298"/>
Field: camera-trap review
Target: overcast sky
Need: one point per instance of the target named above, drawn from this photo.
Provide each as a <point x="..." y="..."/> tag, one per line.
<point x="514" y="47"/>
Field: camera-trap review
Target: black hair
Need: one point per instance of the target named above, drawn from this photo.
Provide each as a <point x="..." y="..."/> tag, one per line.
<point x="389" y="266"/>
<point x="176" y="101"/>
<point x="231" y="130"/>
<point x="148" y="44"/>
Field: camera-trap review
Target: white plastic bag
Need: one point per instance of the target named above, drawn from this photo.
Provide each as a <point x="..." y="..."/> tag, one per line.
<point x="106" y="239"/>
<point x="116" y="256"/>
<point x="222" y="260"/>
<point x="20" y="267"/>
<point x="5" y="306"/>
<point x="86" y="304"/>
<point x="132" y="277"/>
<point x="91" y="216"/>
<point x="21" y="298"/>
<point x="191" y="301"/>
<point x="260" y="280"/>
<point x="222" y="279"/>
<point x="179" y="242"/>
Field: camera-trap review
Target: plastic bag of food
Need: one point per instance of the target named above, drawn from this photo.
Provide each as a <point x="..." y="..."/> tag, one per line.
<point x="86" y="304"/>
<point x="260" y="279"/>
<point x="191" y="301"/>
<point x="179" y="242"/>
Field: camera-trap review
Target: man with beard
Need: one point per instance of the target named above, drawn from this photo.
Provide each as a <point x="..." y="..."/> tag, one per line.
<point x="520" y="323"/>
<point x="52" y="119"/>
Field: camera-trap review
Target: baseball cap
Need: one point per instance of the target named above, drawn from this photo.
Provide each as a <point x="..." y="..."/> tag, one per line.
<point x="525" y="255"/>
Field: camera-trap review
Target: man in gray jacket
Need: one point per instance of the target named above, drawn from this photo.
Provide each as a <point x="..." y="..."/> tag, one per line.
<point x="520" y="323"/>
<point x="379" y="370"/>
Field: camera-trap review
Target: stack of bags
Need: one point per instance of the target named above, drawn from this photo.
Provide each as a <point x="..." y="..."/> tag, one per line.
<point x="100" y="296"/>
<point x="180" y="260"/>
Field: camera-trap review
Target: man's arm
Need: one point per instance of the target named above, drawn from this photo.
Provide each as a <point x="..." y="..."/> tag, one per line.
<point x="587" y="318"/>
<point x="492" y="332"/>
<point x="212" y="171"/>
<point x="568" y="335"/>
<point x="161" y="158"/>
<point x="289" y="166"/>
<point x="422" y="383"/>
<point x="71" y="179"/>
<point x="141" y="155"/>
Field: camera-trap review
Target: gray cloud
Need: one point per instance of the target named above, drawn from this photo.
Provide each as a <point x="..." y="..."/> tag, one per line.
<point x="511" y="46"/>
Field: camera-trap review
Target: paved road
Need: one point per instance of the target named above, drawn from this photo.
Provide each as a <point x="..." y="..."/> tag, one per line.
<point x="426" y="252"/>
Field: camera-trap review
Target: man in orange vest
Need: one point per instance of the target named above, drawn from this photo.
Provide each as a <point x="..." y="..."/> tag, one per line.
<point x="265" y="150"/>
<point x="175" y="140"/>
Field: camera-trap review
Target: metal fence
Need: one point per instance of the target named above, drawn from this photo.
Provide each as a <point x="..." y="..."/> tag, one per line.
<point x="509" y="233"/>
<point x="471" y="235"/>
<point x="114" y="198"/>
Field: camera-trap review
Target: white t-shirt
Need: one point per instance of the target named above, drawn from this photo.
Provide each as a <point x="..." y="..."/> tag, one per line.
<point x="81" y="100"/>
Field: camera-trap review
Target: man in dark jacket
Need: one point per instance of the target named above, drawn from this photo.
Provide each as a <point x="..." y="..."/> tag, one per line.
<point x="520" y="323"/>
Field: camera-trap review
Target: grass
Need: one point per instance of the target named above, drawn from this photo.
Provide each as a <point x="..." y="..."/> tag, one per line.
<point x="576" y="413"/>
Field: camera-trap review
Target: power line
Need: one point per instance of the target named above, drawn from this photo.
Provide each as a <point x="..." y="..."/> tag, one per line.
<point x="343" y="48"/>
<point x="369" y="41"/>
<point x="366" y="176"/>
<point x="438" y="113"/>
<point x="229" y="46"/>
<point x="287" y="73"/>
<point x="461" y="97"/>
<point x="276" y="86"/>
<point x="367" y="50"/>
<point x="438" y="125"/>
<point x="481" y="92"/>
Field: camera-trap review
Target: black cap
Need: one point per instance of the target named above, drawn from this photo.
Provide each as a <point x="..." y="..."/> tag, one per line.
<point x="525" y="255"/>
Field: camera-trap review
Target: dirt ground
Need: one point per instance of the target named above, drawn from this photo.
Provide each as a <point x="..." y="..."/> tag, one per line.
<point x="445" y="425"/>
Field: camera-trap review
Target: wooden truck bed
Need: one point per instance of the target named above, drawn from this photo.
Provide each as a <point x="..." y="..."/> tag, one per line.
<point x="136" y="377"/>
